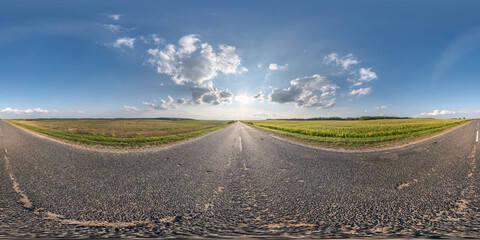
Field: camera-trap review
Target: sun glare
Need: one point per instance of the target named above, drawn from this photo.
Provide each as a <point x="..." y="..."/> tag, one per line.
<point x="242" y="99"/>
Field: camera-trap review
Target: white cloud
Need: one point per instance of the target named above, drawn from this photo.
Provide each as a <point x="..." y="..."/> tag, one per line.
<point x="115" y="17"/>
<point x="345" y="61"/>
<point x="25" y="111"/>
<point x="274" y="66"/>
<point x="162" y="105"/>
<point x="314" y="91"/>
<point x="381" y="107"/>
<point x="260" y="65"/>
<point x="364" y="75"/>
<point x="194" y="61"/>
<point x="436" y="113"/>
<point x="361" y="91"/>
<point x="130" y="108"/>
<point x="206" y="93"/>
<point x="124" y="42"/>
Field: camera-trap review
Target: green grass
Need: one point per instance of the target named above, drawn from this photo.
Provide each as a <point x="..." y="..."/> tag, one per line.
<point x="357" y="134"/>
<point x="121" y="133"/>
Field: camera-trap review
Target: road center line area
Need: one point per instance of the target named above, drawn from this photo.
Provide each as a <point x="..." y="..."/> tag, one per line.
<point x="477" y="137"/>
<point x="240" y="142"/>
<point x="428" y="189"/>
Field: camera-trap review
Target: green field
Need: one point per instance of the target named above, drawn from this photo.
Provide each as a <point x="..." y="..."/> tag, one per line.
<point x="357" y="134"/>
<point x="124" y="133"/>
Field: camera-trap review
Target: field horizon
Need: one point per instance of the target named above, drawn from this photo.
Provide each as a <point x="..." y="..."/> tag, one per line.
<point x="360" y="133"/>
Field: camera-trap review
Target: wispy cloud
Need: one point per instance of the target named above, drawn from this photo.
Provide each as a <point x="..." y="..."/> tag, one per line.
<point x="152" y="39"/>
<point x="381" y="107"/>
<point x="274" y="67"/>
<point x="10" y="110"/>
<point x="162" y="105"/>
<point x="345" y="61"/>
<point x="112" y="27"/>
<point x="130" y="108"/>
<point x="115" y="17"/>
<point x="116" y="28"/>
<point x="436" y="113"/>
<point x="361" y="91"/>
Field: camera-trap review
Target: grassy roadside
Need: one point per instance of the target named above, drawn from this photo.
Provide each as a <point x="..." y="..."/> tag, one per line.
<point x="95" y="138"/>
<point x="355" y="134"/>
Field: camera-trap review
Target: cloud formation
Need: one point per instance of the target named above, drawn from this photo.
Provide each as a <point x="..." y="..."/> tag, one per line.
<point x="364" y="75"/>
<point x="274" y="67"/>
<point x="115" y="17"/>
<point x="206" y="93"/>
<point x="259" y="96"/>
<point x="162" y="105"/>
<point x="124" y="42"/>
<point x="381" y="107"/>
<point x="345" y="61"/>
<point x="130" y="108"/>
<point x="152" y="39"/>
<point x="314" y="91"/>
<point x="361" y="91"/>
<point x="10" y="110"/>
<point x="182" y="101"/>
<point x="436" y="113"/>
<point x="195" y="61"/>
<point x="112" y="27"/>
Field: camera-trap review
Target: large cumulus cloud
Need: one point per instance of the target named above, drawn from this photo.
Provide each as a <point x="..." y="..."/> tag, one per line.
<point x="195" y="61"/>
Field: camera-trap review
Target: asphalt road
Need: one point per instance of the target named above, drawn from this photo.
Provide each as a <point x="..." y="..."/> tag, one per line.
<point x="239" y="181"/>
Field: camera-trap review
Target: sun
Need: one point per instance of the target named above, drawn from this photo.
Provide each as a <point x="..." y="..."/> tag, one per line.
<point x="242" y="99"/>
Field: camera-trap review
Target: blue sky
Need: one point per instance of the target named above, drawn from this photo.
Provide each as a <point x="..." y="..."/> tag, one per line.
<point x="239" y="59"/>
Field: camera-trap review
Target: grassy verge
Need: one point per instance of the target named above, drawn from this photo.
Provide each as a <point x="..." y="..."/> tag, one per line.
<point x="98" y="134"/>
<point x="357" y="134"/>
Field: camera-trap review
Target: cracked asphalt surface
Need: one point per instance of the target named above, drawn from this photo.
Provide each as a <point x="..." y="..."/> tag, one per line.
<point x="239" y="182"/>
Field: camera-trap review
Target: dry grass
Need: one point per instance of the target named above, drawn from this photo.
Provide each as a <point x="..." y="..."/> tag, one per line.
<point x="121" y="133"/>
